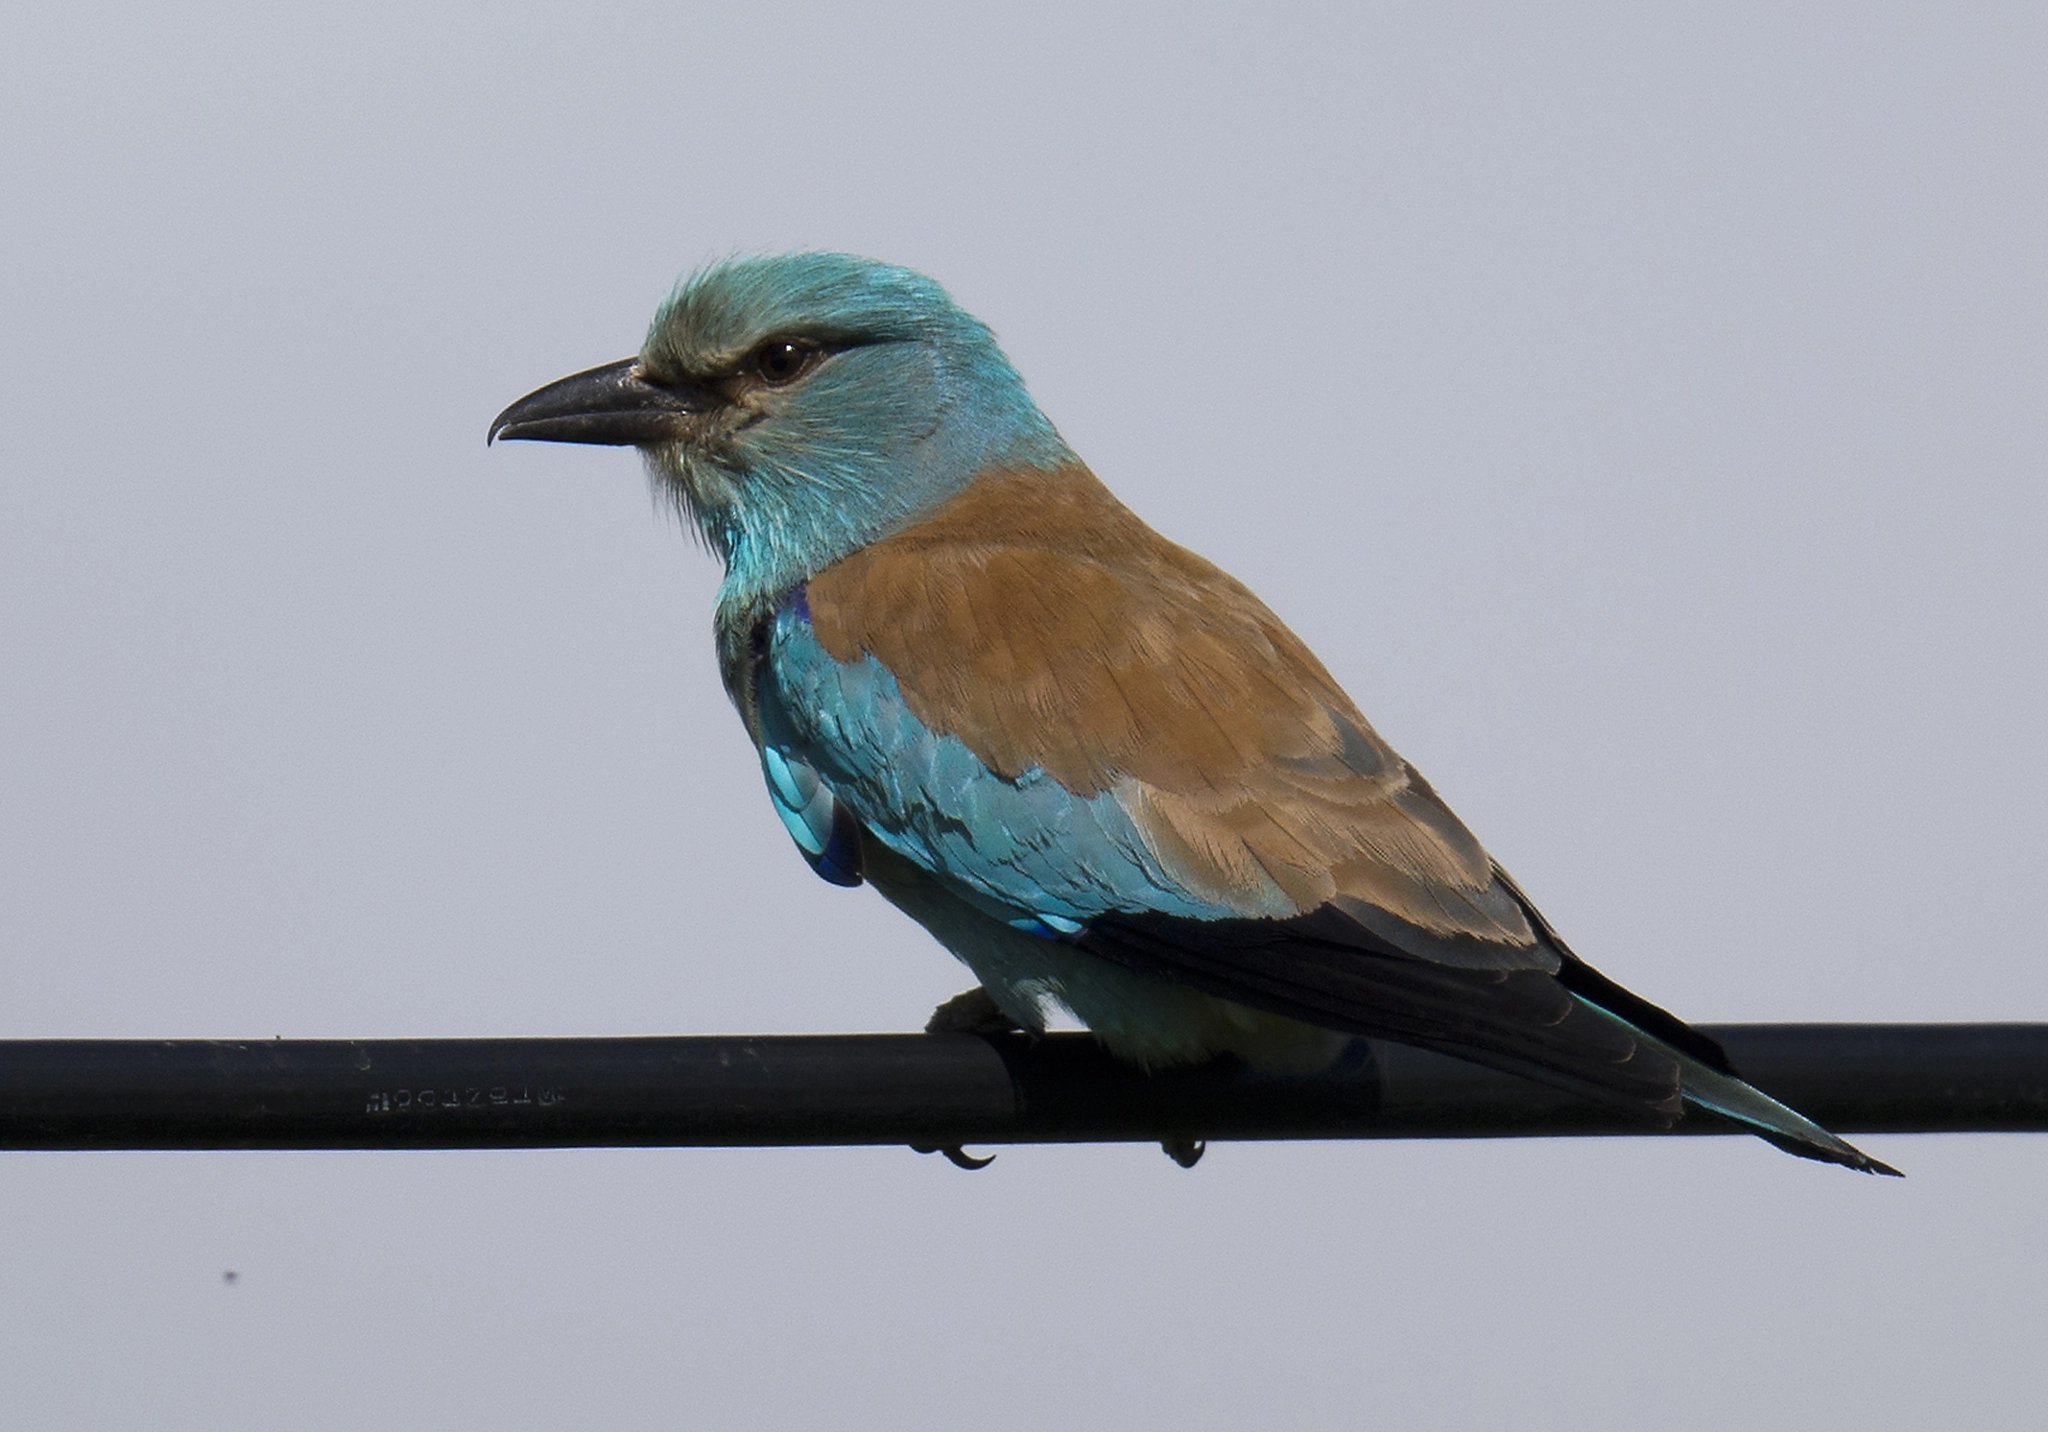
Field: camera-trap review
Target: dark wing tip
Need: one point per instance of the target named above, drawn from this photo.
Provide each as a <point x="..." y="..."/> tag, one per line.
<point x="1519" y="1021"/>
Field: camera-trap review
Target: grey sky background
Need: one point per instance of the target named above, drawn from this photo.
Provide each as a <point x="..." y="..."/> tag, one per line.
<point x="1640" y="410"/>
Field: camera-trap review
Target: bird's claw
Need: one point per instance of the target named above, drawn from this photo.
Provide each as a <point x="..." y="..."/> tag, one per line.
<point x="1184" y="1151"/>
<point x="956" y="1155"/>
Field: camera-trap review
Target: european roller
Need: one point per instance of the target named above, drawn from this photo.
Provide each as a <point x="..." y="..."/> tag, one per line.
<point x="1095" y="767"/>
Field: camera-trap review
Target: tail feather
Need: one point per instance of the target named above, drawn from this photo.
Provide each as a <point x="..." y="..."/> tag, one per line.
<point x="1789" y="1129"/>
<point x="1706" y="1078"/>
<point x="1722" y="1091"/>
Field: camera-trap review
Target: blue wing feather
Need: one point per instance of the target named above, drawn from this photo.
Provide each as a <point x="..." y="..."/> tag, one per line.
<point x="823" y="828"/>
<point x="1029" y="851"/>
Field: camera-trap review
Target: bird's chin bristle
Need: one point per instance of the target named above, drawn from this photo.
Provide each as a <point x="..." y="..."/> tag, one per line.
<point x="668" y="485"/>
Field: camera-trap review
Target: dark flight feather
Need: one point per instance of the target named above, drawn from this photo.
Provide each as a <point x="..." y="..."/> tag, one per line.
<point x="1325" y="969"/>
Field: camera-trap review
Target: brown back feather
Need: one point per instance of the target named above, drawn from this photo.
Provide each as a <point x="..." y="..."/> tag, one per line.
<point x="1040" y="622"/>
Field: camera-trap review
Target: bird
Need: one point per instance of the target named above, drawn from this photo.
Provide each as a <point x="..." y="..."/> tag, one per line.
<point x="1090" y="763"/>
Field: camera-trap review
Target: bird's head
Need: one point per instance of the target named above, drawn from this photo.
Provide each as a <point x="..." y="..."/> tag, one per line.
<point x="800" y="406"/>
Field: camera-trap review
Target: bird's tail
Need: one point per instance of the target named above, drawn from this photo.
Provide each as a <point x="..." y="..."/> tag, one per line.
<point x="1776" y="1123"/>
<point x="1789" y="1129"/>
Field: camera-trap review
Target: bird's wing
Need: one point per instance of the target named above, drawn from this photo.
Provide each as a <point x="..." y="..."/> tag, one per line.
<point x="1098" y="736"/>
<point x="1056" y="637"/>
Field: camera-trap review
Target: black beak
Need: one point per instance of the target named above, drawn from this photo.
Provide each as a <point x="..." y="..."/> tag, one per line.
<point x="615" y="405"/>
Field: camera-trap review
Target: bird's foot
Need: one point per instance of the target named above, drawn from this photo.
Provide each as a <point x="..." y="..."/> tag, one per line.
<point x="955" y="1155"/>
<point x="1184" y="1151"/>
<point x="975" y="1012"/>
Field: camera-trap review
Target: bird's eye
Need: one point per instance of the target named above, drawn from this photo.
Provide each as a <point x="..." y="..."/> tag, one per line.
<point x="780" y="361"/>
